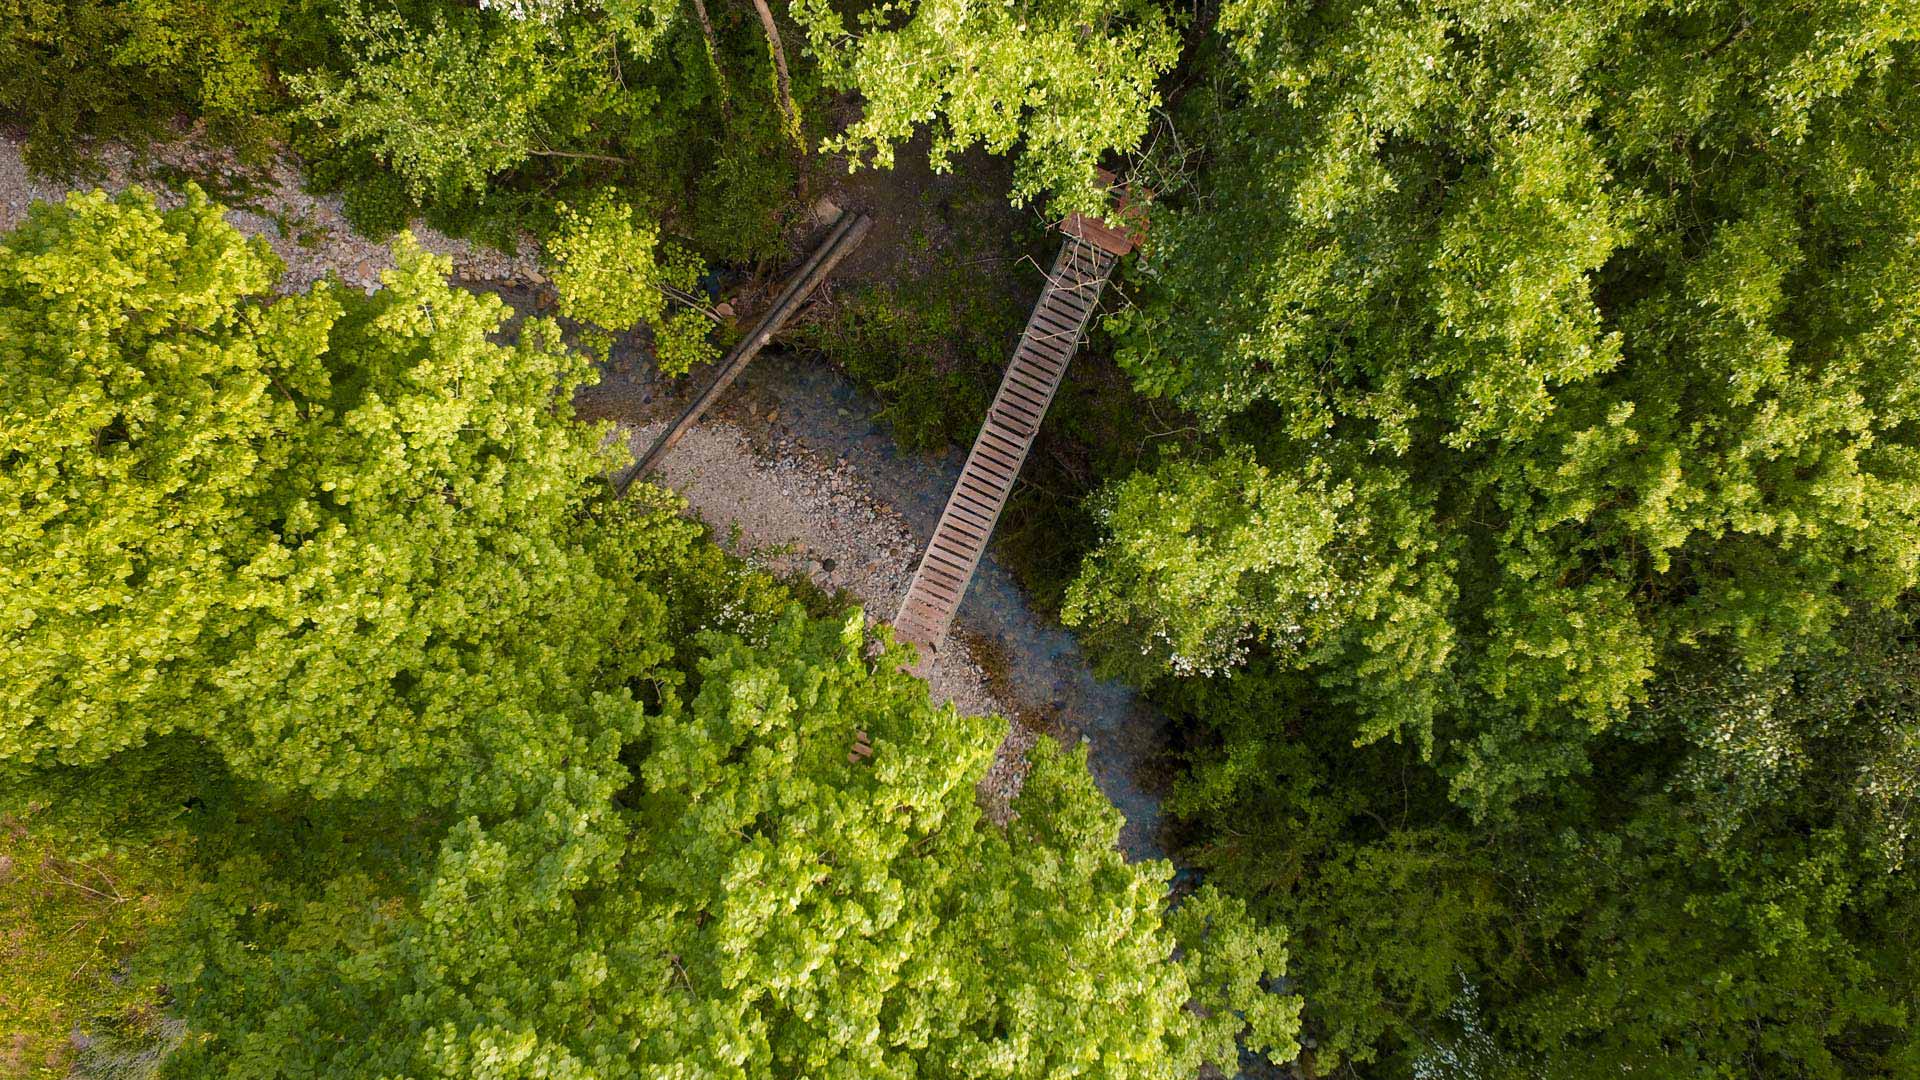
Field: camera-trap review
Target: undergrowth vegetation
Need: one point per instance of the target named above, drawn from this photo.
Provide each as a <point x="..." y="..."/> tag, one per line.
<point x="77" y="915"/>
<point x="73" y="71"/>
<point x="928" y="349"/>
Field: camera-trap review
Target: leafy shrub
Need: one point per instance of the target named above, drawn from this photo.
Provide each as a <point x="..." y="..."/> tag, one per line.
<point x="482" y="119"/>
<point x="683" y="340"/>
<point x="375" y="202"/>
<point x="74" y="70"/>
<point x="446" y="106"/>
<point x="931" y="351"/>
<point x="611" y="272"/>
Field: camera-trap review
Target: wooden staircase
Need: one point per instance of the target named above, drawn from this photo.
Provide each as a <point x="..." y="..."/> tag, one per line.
<point x="1052" y="336"/>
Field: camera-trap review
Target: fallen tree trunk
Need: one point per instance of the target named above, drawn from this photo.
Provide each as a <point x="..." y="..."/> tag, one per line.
<point x="845" y="235"/>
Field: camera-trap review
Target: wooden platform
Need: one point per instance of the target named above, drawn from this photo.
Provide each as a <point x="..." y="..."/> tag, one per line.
<point x="1124" y="226"/>
<point x="1039" y="363"/>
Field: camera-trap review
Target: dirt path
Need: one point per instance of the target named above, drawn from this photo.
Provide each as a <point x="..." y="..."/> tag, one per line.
<point x="308" y="232"/>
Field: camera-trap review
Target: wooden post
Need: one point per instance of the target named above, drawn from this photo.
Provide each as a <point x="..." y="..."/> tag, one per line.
<point x="841" y="240"/>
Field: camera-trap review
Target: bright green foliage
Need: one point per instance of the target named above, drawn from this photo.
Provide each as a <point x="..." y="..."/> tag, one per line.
<point x="730" y="895"/>
<point x="1201" y="552"/>
<point x="610" y="269"/>
<point x="1065" y="81"/>
<point x="334" y="534"/>
<point x="682" y="340"/>
<point x="140" y="416"/>
<point x="1230" y="961"/>
<point x="72" y="69"/>
<point x="453" y="102"/>
<point x="1208" y="563"/>
<point x="444" y="107"/>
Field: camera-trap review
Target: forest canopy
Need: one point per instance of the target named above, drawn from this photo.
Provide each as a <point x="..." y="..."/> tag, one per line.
<point x="1544" y="581"/>
<point x="286" y="575"/>
<point x="1499" y="463"/>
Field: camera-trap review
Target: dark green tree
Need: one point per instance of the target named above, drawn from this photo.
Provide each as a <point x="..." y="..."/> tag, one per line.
<point x="74" y="70"/>
<point x="1541" y="596"/>
<point x="1604" y="319"/>
<point x="1728" y="891"/>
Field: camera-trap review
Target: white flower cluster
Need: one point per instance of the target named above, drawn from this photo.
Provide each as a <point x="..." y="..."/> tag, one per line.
<point x="732" y="617"/>
<point x="1226" y="652"/>
<point x="546" y="12"/>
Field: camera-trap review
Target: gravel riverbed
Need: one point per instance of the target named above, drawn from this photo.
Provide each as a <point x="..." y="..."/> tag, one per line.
<point x="791" y="511"/>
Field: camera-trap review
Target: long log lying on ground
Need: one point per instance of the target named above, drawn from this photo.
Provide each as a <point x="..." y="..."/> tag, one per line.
<point x="845" y="235"/>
